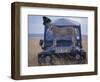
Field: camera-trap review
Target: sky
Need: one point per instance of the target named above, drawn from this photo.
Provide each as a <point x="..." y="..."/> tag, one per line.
<point x="35" y="23"/>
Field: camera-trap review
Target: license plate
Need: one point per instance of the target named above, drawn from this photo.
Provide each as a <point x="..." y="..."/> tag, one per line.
<point x="61" y="50"/>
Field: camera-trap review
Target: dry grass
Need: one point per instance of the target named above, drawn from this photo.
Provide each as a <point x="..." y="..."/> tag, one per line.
<point x="34" y="49"/>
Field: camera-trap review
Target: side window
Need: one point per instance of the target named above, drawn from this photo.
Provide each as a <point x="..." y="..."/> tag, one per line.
<point x="49" y="35"/>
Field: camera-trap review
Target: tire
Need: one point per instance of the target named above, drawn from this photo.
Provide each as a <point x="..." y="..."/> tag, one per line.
<point x="40" y="59"/>
<point x="77" y="57"/>
<point x="48" y="60"/>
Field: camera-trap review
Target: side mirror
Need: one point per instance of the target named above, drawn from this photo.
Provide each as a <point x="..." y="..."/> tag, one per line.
<point x="46" y="20"/>
<point x="41" y="42"/>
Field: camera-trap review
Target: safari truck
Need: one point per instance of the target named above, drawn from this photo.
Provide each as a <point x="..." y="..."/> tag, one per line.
<point x="62" y="39"/>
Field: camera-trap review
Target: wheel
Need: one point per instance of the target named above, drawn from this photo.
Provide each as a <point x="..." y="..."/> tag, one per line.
<point x="77" y="57"/>
<point x="48" y="60"/>
<point x="40" y="59"/>
<point x="55" y="58"/>
<point x="84" y="57"/>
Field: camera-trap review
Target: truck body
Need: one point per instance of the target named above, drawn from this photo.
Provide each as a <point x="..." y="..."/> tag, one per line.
<point x="62" y="38"/>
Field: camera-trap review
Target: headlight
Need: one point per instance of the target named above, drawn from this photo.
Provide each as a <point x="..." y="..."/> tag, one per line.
<point x="78" y="37"/>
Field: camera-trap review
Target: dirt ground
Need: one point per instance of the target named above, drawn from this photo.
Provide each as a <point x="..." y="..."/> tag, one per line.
<point x="34" y="49"/>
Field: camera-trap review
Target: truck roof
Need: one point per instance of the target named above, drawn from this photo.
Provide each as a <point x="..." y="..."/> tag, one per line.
<point x="65" y="23"/>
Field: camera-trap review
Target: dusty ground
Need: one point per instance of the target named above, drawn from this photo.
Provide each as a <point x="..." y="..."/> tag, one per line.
<point x="34" y="49"/>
